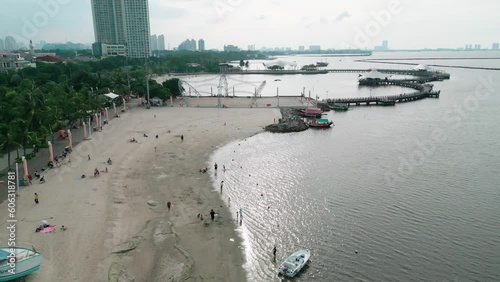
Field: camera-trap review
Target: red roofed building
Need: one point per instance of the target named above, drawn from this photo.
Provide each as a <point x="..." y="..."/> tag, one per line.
<point x="50" y="59"/>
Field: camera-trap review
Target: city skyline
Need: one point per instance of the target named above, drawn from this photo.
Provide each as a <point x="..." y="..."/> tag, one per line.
<point x="405" y="24"/>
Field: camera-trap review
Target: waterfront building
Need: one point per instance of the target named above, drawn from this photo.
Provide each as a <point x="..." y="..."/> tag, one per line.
<point x="315" y="48"/>
<point x="123" y="22"/>
<point x="495" y="46"/>
<point x="302" y="48"/>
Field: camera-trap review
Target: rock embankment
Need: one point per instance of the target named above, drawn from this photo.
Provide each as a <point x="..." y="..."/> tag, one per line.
<point x="290" y="122"/>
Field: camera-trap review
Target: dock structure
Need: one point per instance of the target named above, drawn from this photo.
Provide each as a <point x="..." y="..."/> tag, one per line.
<point x="438" y="75"/>
<point x="423" y="91"/>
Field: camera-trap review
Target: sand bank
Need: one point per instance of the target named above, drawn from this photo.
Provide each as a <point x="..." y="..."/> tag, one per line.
<point x="118" y="224"/>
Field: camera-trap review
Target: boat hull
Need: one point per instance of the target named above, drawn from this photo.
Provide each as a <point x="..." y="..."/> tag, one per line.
<point x="294" y="263"/>
<point x="22" y="267"/>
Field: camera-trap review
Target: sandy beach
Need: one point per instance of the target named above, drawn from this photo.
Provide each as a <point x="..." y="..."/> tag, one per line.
<point x="119" y="227"/>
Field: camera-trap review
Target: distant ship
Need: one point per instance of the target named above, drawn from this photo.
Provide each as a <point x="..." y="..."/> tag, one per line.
<point x="321" y="64"/>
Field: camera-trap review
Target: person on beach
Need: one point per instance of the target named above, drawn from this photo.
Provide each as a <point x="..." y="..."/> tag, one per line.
<point x="64" y="228"/>
<point x="221" y="184"/>
<point x="36" y="198"/>
<point x="89" y="157"/>
<point x="182" y="138"/>
<point x="168" y="205"/>
<point x="274" y="252"/>
<point x="215" y="166"/>
<point x="212" y="214"/>
<point x="37" y="174"/>
<point x="42" y="179"/>
<point x="224" y="168"/>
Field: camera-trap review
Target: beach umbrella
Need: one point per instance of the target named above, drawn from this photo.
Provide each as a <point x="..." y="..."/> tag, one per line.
<point x="124" y="107"/>
<point x="97" y="121"/>
<point x="114" y="108"/>
<point x="70" y="139"/>
<point x="84" y="131"/>
<point x="51" y="152"/>
<point x="25" y="168"/>
<point x="107" y="117"/>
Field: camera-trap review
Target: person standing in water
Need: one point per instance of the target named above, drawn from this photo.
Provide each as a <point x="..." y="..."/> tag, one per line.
<point x="221" y="184"/>
<point x="274" y="252"/>
<point x="212" y="214"/>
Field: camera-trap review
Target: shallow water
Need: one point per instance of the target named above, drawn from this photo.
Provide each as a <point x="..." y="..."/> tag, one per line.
<point x="404" y="193"/>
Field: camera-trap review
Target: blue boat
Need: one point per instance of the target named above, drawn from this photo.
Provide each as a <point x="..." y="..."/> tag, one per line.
<point x="16" y="262"/>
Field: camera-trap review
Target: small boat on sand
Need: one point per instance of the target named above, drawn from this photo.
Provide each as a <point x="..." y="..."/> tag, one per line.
<point x="294" y="263"/>
<point x="16" y="262"/>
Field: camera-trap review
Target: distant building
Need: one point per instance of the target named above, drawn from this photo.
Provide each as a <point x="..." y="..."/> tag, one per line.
<point x="383" y="47"/>
<point x="495" y="46"/>
<point x="315" y="48"/>
<point x="189" y="45"/>
<point x="154" y="42"/>
<point x="2" y="45"/>
<point x="10" y="43"/>
<point x="231" y="48"/>
<point x="123" y="22"/>
<point x="302" y="48"/>
<point x="161" y="42"/>
<point x="64" y="46"/>
<point x="251" y="48"/>
<point x="201" y="45"/>
<point x="108" y="50"/>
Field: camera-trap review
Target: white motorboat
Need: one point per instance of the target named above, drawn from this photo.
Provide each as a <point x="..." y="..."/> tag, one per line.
<point x="17" y="262"/>
<point x="294" y="263"/>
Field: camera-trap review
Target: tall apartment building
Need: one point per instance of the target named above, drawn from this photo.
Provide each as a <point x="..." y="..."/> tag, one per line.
<point x="201" y="45"/>
<point x="154" y="42"/>
<point x="123" y="22"/>
<point x="161" y="42"/>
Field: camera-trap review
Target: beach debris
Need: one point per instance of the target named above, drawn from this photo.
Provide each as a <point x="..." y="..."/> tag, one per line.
<point x="231" y="239"/>
<point x="152" y="203"/>
<point x="128" y="245"/>
<point x="118" y="273"/>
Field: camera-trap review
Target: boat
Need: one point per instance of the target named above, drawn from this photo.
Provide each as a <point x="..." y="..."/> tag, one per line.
<point x="311" y="112"/>
<point x="322" y="64"/>
<point x="339" y="106"/>
<point x="16" y="262"/>
<point x="294" y="263"/>
<point x="320" y="123"/>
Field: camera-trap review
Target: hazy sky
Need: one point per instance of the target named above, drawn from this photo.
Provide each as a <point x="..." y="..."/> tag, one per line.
<point x="275" y="23"/>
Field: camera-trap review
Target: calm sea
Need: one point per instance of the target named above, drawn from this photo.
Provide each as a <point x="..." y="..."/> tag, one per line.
<point x="404" y="193"/>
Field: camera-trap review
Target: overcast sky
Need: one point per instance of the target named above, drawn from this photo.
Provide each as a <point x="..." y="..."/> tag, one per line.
<point x="406" y="24"/>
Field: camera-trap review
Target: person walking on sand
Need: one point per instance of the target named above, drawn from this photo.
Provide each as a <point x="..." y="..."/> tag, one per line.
<point x="182" y="138"/>
<point x="274" y="252"/>
<point x="36" y="198"/>
<point x="221" y="184"/>
<point x="168" y="205"/>
<point x="212" y="214"/>
<point x="89" y="157"/>
<point x="215" y="166"/>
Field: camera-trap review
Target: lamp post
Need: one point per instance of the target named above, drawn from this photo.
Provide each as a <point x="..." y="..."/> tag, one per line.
<point x="146" y="66"/>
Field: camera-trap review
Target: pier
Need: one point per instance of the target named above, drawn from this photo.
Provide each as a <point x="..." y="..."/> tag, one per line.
<point x="418" y="73"/>
<point x="423" y="91"/>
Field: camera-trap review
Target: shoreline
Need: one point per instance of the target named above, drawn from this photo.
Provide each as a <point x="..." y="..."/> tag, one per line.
<point x="118" y="224"/>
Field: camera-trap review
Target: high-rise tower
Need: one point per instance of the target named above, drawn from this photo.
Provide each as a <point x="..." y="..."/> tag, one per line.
<point x="123" y="22"/>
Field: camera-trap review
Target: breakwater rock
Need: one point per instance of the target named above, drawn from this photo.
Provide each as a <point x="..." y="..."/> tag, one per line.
<point x="290" y="122"/>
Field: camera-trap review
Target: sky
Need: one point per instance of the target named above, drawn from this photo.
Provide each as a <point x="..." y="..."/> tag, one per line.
<point x="406" y="24"/>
